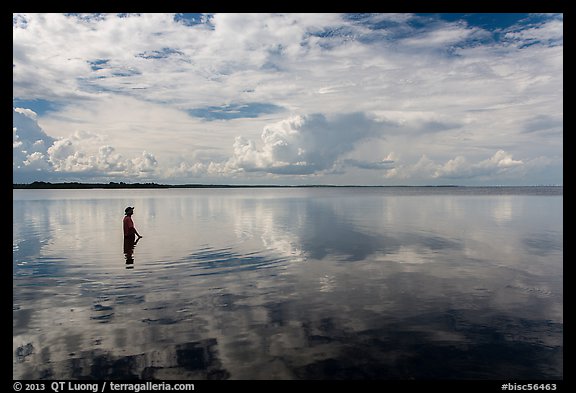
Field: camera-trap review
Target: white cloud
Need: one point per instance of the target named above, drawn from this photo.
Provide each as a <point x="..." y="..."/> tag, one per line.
<point x="29" y="142"/>
<point x="246" y="96"/>
<point x="303" y="144"/>
<point x="551" y="32"/>
<point x="458" y="167"/>
<point x="500" y="166"/>
<point x="37" y="154"/>
<point x="27" y="112"/>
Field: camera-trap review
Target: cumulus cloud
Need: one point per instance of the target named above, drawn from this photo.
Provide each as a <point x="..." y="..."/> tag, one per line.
<point x="29" y="142"/>
<point x="36" y="154"/>
<point x="303" y="144"/>
<point x="458" y="167"/>
<point x="497" y="166"/>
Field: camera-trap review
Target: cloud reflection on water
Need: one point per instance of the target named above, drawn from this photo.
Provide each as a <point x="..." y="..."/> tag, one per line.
<point x="294" y="284"/>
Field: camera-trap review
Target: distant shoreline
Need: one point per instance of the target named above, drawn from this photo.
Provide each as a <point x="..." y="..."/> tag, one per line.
<point x="122" y="185"/>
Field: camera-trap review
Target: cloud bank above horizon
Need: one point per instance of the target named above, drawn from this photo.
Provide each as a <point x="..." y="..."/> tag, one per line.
<point x="367" y="99"/>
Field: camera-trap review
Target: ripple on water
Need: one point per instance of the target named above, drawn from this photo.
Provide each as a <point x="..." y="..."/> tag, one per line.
<point x="211" y="261"/>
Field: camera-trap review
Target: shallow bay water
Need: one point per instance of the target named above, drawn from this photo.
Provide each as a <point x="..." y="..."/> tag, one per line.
<point x="289" y="283"/>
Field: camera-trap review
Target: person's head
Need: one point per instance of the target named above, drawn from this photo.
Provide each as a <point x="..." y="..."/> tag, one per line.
<point x="129" y="211"/>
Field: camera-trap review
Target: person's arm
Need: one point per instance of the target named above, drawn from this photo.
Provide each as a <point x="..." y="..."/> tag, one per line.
<point x="135" y="231"/>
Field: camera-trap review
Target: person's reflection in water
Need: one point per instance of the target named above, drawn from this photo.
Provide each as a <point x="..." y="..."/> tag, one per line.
<point x="129" y="244"/>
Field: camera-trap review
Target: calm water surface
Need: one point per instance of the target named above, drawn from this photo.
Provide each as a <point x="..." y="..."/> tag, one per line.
<point x="326" y="283"/>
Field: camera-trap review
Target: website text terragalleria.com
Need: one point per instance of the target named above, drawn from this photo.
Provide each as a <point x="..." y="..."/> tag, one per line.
<point x="148" y="386"/>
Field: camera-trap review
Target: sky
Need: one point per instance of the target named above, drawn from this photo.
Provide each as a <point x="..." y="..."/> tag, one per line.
<point x="288" y="99"/>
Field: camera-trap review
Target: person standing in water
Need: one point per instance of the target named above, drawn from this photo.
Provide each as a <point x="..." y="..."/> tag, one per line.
<point x="130" y="234"/>
<point x="129" y="228"/>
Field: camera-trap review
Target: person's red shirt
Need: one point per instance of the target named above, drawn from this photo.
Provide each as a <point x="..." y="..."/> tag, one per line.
<point x="128" y="226"/>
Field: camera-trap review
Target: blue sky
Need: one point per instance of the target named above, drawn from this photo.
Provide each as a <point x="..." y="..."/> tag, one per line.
<point x="368" y="99"/>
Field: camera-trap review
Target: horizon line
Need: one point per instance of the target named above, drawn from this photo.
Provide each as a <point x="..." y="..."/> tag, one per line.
<point x="73" y="184"/>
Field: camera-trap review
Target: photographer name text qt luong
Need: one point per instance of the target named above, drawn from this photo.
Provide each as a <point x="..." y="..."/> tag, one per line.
<point x="74" y="386"/>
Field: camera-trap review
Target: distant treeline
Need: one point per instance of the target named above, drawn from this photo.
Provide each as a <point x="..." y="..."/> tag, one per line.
<point x="72" y="185"/>
<point x="43" y="184"/>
